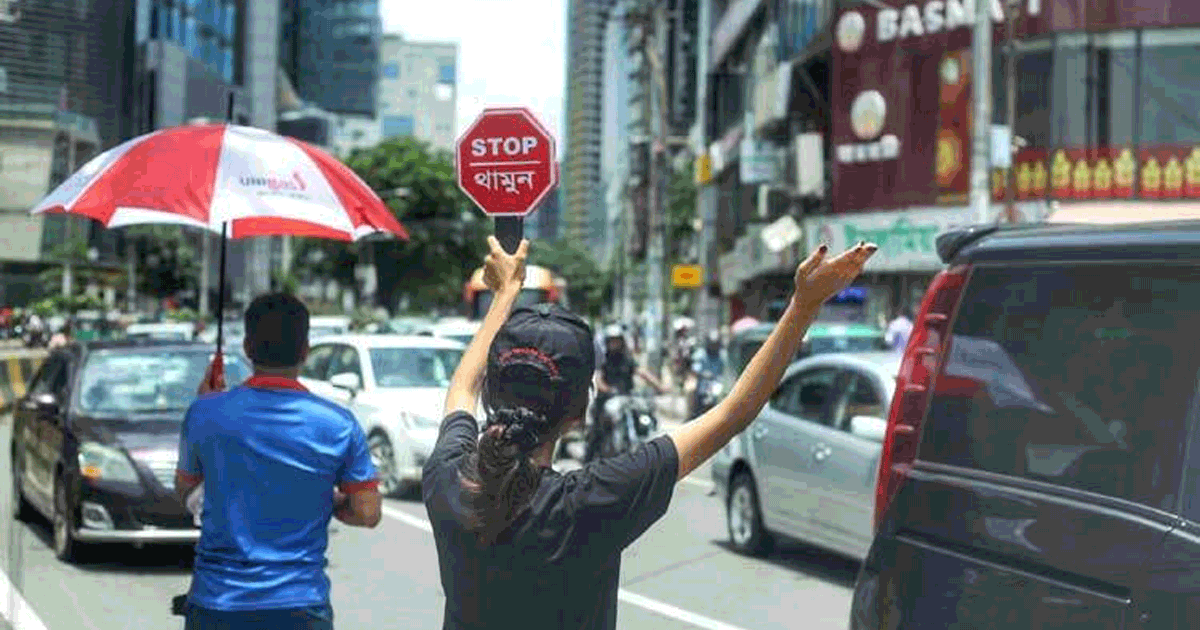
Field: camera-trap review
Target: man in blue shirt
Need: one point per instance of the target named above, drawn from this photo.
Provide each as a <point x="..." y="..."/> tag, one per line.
<point x="269" y="455"/>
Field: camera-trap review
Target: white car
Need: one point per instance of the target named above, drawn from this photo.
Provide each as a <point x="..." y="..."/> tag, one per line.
<point x="461" y="330"/>
<point x="166" y="331"/>
<point x="396" y="386"/>
<point x="326" y="325"/>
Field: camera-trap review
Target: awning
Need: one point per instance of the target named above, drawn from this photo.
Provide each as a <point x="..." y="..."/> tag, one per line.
<point x="1118" y="212"/>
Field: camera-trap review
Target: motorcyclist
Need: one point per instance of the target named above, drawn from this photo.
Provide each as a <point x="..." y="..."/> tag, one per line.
<point x="708" y="363"/>
<point x="614" y="378"/>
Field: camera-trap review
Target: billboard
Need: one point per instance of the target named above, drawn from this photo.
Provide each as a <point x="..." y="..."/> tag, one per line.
<point x="901" y="93"/>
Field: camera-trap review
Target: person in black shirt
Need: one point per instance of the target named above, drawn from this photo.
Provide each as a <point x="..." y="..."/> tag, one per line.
<point x="522" y="546"/>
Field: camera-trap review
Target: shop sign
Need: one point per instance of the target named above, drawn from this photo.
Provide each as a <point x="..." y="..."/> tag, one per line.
<point x="750" y="257"/>
<point x="907" y="240"/>
<point x="937" y="16"/>
<point x="758" y="162"/>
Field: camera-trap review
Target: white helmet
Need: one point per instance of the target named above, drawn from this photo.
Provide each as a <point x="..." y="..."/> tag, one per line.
<point x="613" y="331"/>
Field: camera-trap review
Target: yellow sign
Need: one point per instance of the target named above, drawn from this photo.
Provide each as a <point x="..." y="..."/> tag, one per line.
<point x="703" y="169"/>
<point x="687" y="276"/>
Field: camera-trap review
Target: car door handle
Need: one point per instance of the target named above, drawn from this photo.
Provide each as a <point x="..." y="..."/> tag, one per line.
<point x="759" y="432"/>
<point x="821" y="452"/>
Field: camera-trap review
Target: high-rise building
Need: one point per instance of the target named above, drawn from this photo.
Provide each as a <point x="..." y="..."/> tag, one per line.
<point x="330" y="50"/>
<point x="418" y="90"/>
<point x="63" y="89"/>
<point x="583" y="210"/>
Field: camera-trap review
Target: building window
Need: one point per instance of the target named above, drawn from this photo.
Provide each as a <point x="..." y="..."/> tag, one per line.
<point x="1170" y="94"/>
<point x="391" y="71"/>
<point x="446" y="73"/>
<point x="1034" y="76"/>
<point x="443" y="92"/>
<point x="393" y="126"/>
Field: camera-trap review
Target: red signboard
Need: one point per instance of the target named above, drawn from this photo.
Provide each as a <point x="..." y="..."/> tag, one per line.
<point x="901" y="100"/>
<point x="506" y="162"/>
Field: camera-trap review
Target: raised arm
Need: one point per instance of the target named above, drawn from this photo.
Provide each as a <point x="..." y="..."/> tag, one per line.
<point x="816" y="280"/>
<point x="504" y="274"/>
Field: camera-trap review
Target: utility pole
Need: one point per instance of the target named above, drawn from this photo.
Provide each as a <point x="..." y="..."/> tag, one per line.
<point x="1010" y="105"/>
<point x="981" y="127"/>
<point x="653" y="42"/>
<point x="706" y="195"/>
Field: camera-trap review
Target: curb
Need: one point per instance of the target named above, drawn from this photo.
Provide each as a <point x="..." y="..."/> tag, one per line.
<point x="15" y="372"/>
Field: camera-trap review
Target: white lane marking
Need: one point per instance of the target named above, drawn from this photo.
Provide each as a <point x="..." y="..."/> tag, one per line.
<point x="15" y="609"/>
<point x="674" y="612"/>
<point x="408" y="519"/>
<point x="653" y="605"/>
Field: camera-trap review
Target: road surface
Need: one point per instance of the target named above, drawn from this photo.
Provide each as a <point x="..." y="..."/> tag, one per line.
<point x="679" y="576"/>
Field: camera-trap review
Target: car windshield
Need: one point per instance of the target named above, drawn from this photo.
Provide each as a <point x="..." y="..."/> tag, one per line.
<point x="414" y="367"/>
<point x="123" y="382"/>
<point x="824" y="345"/>
<point x="324" y="331"/>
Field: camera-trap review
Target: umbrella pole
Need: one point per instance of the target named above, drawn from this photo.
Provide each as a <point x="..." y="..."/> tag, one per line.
<point x="221" y="291"/>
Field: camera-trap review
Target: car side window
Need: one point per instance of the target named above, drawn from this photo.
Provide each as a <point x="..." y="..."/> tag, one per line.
<point x="51" y="378"/>
<point x="345" y="359"/>
<point x="816" y="391"/>
<point x="860" y="397"/>
<point x="784" y="398"/>
<point x="317" y="363"/>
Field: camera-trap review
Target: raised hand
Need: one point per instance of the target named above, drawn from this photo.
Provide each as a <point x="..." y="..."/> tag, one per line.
<point x="504" y="271"/>
<point x="818" y="279"/>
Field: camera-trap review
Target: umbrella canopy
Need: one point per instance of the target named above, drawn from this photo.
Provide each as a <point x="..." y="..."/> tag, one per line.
<point x="252" y="181"/>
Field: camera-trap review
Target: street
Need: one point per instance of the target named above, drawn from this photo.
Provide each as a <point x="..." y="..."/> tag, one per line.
<point x="680" y="575"/>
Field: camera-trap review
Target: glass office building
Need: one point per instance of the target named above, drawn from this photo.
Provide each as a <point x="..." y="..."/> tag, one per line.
<point x="330" y="50"/>
<point x="206" y="29"/>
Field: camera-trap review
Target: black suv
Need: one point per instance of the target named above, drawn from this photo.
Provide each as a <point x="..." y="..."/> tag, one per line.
<point x="1042" y="461"/>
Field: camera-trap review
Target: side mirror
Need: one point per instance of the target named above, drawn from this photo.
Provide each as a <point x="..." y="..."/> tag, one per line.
<point x="348" y="381"/>
<point x="46" y="403"/>
<point x="869" y="427"/>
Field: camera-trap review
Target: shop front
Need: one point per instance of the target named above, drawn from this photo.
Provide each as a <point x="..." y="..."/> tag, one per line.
<point x="907" y="260"/>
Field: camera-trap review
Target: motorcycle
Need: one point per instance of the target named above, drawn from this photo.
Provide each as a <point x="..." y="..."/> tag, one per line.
<point x="633" y="421"/>
<point x="709" y="390"/>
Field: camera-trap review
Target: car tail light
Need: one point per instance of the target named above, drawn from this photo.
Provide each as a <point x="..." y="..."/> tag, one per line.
<point x="926" y="348"/>
<point x="552" y="295"/>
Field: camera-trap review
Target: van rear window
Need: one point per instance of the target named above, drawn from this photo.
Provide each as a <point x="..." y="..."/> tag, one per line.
<point x="1080" y="377"/>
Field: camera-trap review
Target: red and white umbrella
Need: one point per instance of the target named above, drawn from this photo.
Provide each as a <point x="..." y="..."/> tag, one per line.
<point x="236" y="181"/>
<point x="217" y="176"/>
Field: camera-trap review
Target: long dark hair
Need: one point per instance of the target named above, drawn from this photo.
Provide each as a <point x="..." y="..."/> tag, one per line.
<point x="525" y="406"/>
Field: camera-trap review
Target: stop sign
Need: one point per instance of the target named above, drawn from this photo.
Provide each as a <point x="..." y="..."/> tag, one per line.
<point x="505" y="162"/>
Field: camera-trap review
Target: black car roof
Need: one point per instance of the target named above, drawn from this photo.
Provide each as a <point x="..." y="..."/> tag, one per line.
<point x="1079" y="243"/>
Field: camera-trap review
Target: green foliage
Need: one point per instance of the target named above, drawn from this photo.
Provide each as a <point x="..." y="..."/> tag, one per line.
<point x="71" y="304"/>
<point x="588" y="287"/>
<point x="167" y="263"/>
<point x="446" y="232"/>
<point x="681" y="212"/>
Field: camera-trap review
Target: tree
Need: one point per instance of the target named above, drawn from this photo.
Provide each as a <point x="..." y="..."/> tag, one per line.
<point x="681" y="213"/>
<point x="168" y="263"/>
<point x="588" y="287"/>
<point x="447" y="235"/>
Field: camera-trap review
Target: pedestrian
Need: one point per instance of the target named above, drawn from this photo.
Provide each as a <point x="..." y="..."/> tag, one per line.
<point x="274" y="463"/>
<point x="62" y="337"/>
<point x="899" y="329"/>
<point x="523" y="546"/>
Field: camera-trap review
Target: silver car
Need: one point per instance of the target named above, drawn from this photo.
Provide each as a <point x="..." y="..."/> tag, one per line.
<point x="805" y="469"/>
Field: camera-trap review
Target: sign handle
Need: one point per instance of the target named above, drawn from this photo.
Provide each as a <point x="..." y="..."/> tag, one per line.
<point x="509" y="231"/>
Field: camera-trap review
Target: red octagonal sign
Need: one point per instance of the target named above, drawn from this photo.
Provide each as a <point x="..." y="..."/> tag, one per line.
<point x="505" y="162"/>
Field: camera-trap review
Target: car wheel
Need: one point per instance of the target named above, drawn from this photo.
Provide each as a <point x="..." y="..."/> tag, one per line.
<point x="383" y="456"/>
<point x="20" y="507"/>
<point x="744" y="518"/>
<point x="66" y="548"/>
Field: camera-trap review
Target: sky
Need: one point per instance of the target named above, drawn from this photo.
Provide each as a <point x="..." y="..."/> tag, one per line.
<point x="511" y="52"/>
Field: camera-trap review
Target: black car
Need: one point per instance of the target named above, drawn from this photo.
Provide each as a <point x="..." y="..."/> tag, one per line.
<point x="1041" y="463"/>
<point x="95" y="441"/>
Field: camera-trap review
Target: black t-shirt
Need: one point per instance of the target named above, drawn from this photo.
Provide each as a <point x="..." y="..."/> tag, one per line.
<point x="618" y="371"/>
<point x="557" y="566"/>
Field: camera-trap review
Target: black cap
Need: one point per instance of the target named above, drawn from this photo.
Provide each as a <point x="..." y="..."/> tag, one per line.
<point x="549" y="337"/>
